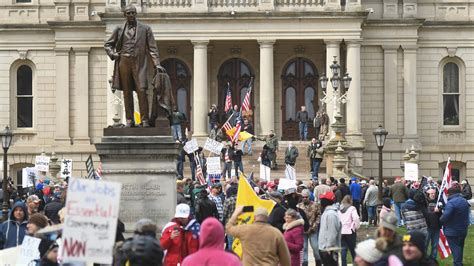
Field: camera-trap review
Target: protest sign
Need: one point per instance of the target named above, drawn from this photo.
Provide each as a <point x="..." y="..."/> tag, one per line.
<point x="286" y="183"/>
<point x="411" y="171"/>
<point x="290" y="172"/>
<point x="90" y="168"/>
<point x="213" y="146"/>
<point x="90" y="223"/>
<point x="29" y="251"/>
<point x="214" y="165"/>
<point x="9" y="256"/>
<point x="66" y="168"/>
<point x="264" y="172"/>
<point x="29" y="175"/>
<point x="42" y="163"/>
<point x="191" y="146"/>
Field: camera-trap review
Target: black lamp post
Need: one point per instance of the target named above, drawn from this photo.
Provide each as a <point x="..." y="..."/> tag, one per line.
<point x="380" y="135"/>
<point x="7" y="137"/>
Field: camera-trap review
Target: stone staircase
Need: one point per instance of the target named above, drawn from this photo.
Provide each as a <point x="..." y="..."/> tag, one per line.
<point x="252" y="165"/>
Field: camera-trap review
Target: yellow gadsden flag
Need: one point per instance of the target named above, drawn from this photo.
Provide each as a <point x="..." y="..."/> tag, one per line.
<point x="247" y="197"/>
<point x="243" y="135"/>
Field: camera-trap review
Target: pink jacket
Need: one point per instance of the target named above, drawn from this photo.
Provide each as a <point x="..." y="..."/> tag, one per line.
<point x="294" y="240"/>
<point x="349" y="219"/>
<point x="211" y="247"/>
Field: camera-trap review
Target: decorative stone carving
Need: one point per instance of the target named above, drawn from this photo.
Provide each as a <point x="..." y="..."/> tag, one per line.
<point x="299" y="50"/>
<point x="410" y="8"/>
<point x="452" y="51"/>
<point x="452" y="12"/>
<point x="22" y="54"/>
<point x="390" y="9"/>
<point x="172" y="50"/>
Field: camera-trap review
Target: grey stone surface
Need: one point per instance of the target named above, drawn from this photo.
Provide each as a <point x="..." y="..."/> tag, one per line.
<point x="146" y="168"/>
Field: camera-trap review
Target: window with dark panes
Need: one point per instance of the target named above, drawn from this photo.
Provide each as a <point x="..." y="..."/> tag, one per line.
<point x="24" y="97"/>
<point x="451" y="94"/>
<point x="22" y="1"/>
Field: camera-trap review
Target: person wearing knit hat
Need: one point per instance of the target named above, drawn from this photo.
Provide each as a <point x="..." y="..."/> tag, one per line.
<point x="414" y="250"/>
<point x="367" y="253"/>
<point x="48" y="250"/>
<point x="36" y="222"/>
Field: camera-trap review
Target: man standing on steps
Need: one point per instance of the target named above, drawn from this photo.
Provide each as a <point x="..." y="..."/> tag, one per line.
<point x="129" y="46"/>
<point x="271" y="141"/>
<point x="302" y="117"/>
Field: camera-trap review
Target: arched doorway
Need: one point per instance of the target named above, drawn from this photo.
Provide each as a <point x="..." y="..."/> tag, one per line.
<point x="237" y="73"/>
<point x="181" y="84"/>
<point x="300" y="87"/>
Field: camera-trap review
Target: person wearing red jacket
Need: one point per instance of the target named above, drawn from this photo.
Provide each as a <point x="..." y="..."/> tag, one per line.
<point x="294" y="229"/>
<point x="180" y="237"/>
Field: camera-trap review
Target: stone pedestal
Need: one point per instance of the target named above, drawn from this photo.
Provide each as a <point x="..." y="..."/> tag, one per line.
<point x="145" y="165"/>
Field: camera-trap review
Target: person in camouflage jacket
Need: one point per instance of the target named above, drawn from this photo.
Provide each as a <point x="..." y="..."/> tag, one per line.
<point x="313" y="212"/>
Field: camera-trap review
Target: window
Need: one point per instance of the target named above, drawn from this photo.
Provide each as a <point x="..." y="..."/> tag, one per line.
<point x="451" y="94"/>
<point x="182" y="98"/>
<point x="24" y="97"/>
<point x="23" y="1"/>
<point x="457" y="170"/>
<point x="290" y="104"/>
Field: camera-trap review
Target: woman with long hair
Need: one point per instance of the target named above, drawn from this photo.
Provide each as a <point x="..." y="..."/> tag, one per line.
<point x="350" y="223"/>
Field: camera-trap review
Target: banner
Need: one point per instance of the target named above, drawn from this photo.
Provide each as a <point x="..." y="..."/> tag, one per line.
<point x="191" y="146"/>
<point x="66" y="168"/>
<point x="246" y="197"/>
<point x="214" y="165"/>
<point x="29" y="251"/>
<point x="264" y="172"/>
<point x="290" y="172"/>
<point x="42" y="163"/>
<point x="213" y="146"/>
<point x="411" y="171"/>
<point x="29" y="175"/>
<point x="92" y="209"/>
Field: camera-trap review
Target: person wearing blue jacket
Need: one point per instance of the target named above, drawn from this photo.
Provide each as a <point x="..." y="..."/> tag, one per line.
<point x="356" y="191"/>
<point x="455" y="220"/>
<point x="13" y="230"/>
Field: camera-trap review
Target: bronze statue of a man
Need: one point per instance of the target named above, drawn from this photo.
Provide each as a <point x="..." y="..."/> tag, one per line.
<point x="129" y="46"/>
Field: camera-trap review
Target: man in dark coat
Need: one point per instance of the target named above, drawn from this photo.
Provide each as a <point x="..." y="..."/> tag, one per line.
<point x="129" y="46"/>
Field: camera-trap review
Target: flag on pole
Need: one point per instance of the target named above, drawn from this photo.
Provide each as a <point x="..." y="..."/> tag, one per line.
<point x="227" y="126"/>
<point x="199" y="173"/>
<point x="228" y="99"/>
<point x="443" y="247"/>
<point x="98" y="171"/>
<point x="238" y="127"/>
<point x="246" y="102"/>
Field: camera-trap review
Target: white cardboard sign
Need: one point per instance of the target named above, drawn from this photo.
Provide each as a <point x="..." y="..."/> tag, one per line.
<point x="90" y="223"/>
<point x="66" y="168"/>
<point x="29" y="251"/>
<point x="286" y="183"/>
<point x="213" y="146"/>
<point x="290" y="172"/>
<point x="214" y="165"/>
<point x="42" y="163"/>
<point x="411" y="171"/>
<point x="29" y="175"/>
<point x="191" y="146"/>
<point x="264" y="172"/>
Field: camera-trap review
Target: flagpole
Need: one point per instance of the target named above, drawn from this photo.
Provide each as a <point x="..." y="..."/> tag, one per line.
<point x="250" y="90"/>
<point x="227" y="121"/>
<point x="443" y="183"/>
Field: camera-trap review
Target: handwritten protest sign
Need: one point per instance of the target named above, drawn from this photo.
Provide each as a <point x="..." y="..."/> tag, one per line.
<point x="9" y="256"/>
<point x="290" y="172"/>
<point x="286" y="183"/>
<point x="214" y="165"/>
<point x="29" y="251"/>
<point x="213" y="146"/>
<point x="411" y="171"/>
<point x="66" y="168"/>
<point x="191" y="146"/>
<point x="42" y="163"/>
<point x="92" y="209"/>
<point x="29" y="175"/>
<point x="264" y="172"/>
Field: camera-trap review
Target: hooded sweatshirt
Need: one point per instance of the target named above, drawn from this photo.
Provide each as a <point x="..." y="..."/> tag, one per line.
<point x="329" y="229"/>
<point x="11" y="231"/>
<point x="211" y="247"/>
<point x="349" y="219"/>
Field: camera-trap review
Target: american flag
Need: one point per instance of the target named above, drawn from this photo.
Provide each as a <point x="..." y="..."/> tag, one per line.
<point x="246" y="102"/>
<point x="228" y="99"/>
<point x="98" y="172"/>
<point x="238" y="127"/>
<point x="443" y="247"/>
<point x="199" y="173"/>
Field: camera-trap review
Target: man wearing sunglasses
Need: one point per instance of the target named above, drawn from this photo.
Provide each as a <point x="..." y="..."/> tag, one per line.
<point x="129" y="46"/>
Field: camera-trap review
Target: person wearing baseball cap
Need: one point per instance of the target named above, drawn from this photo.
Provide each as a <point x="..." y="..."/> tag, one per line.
<point x="33" y="203"/>
<point x="329" y="229"/>
<point x="414" y="250"/>
<point x="387" y="232"/>
<point x="180" y="237"/>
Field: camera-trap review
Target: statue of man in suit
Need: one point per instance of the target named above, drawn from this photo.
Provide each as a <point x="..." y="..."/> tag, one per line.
<point x="129" y="46"/>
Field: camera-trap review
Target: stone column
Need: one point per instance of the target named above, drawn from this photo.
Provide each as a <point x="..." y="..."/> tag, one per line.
<point x="354" y="103"/>
<point x="390" y="89"/>
<point x="82" y="96"/>
<point x="267" y="102"/>
<point x="61" y="133"/>
<point x="200" y="88"/>
<point x="409" y="92"/>
<point x="332" y="50"/>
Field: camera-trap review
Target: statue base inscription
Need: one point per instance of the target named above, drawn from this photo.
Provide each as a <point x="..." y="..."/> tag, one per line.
<point x="145" y="165"/>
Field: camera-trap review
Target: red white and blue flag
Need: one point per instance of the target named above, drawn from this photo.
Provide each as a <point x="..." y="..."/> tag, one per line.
<point x="238" y="128"/>
<point x="199" y="173"/>
<point x="443" y="247"/>
<point x="228" y="99"/>
<point x="246" y="102"/>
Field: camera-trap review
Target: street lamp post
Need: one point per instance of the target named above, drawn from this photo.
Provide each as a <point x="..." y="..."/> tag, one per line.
<point x="7" y="137"/>
<point x="380" y="135"/>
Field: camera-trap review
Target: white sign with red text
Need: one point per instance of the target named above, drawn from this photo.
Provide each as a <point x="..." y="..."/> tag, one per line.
<point x="90" y="223"/>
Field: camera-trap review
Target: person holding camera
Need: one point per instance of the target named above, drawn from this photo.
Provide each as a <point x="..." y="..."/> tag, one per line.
<point x="315" y="153"/>
<point x="213" y="117"/>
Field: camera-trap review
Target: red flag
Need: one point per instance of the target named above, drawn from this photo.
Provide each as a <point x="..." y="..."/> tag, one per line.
<point x="443" y="247"/>
<point x="228" y="99"/>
